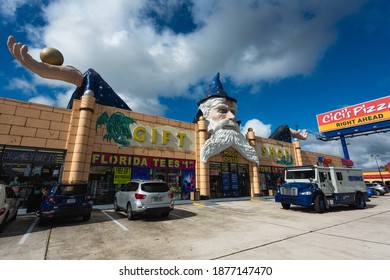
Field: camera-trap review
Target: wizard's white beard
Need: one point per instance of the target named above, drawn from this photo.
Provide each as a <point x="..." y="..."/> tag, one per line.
<point x="227" y="134"/>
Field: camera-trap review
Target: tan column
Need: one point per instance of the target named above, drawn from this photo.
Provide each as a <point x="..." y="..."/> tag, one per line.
<point x="204" y="179"/>
<point x="254" y="170"/>
<point x="78" y="168"/>
<point x="297" y="152"/>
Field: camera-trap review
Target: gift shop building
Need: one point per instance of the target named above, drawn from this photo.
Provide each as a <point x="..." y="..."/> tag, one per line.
<point x="98" y="139"/>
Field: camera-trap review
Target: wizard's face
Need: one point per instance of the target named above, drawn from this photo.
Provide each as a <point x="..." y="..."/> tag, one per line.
<point x="222" y="111"/>
<point x="224" y="130"/>
<point x="221" y="114"/>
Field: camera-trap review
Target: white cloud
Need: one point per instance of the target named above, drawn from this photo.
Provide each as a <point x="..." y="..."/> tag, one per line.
<point x="359" y="148"/>
<point x="22" y="85"/>
<point x="8" y="8"/>
<point x="116" y="39"/>
<point x="46" y="100"/>
<point x="260" y="129"/>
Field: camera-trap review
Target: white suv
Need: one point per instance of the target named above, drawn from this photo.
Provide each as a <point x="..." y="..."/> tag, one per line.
<point x="140" y="197"/>
<point x="9" y="205"/>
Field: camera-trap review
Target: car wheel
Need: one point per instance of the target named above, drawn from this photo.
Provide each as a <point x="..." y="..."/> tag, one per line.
<point x="319" y="204"/>
<point x="86" y="217"/>
<point x="2" y="225"/>
<point x="360" y="202"/>
<point x="165" y="214"/>
<point x="286" y="206"/>
<point x="14" y="216"/>
<point x="129" y="212"/>
<point x="116" y="208"/>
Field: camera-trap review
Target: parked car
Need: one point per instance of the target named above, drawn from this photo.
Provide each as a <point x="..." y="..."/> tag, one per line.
<point x="378" y="189"/>
<point x="9" y="205"/>
<point x="141" y="197"/>
<point x="66" y="200"/>
<point x="370" y="192"/>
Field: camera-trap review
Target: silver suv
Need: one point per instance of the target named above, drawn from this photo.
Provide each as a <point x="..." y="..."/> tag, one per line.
<point x="139" y="197"/>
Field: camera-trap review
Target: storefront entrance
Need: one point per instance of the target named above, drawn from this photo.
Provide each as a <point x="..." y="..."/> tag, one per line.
<point x="229" y="180"/>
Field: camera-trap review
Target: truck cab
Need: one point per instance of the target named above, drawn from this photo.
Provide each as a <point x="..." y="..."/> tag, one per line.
<point x="322" y="187"/>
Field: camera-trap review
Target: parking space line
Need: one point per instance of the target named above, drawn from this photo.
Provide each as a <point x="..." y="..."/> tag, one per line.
<point x="115" y="221"/>
<point x="198" y="204"/>
<point x="27" y="234"/>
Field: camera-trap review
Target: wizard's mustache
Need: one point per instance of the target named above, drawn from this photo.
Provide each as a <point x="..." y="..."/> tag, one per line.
<point x="223" y="124"/>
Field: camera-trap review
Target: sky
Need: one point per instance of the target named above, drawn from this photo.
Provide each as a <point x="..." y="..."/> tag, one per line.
<point x="283" y="61"/>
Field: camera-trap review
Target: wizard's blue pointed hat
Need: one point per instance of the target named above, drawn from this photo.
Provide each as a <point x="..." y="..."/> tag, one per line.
<point x="104" y="94"/>
<point x="216" y="90"/>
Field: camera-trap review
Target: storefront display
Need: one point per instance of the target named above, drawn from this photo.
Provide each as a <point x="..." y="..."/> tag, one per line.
<point x="22" y="168"/>
<point x="269" y="176"/>
<point x="115" y="170"/>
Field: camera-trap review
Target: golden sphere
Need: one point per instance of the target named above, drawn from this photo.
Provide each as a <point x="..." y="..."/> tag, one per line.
<point x="51" y="56"/>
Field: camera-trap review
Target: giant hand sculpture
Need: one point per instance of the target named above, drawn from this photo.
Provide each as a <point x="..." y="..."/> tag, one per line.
<point x="56" y="72"/>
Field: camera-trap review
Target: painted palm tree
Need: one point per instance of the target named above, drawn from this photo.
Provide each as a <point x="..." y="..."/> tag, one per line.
<point x="117" y="126"/>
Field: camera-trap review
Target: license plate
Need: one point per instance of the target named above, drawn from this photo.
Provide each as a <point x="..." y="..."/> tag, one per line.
<point x="71" y="200"/>
<point x="157" y="198"/>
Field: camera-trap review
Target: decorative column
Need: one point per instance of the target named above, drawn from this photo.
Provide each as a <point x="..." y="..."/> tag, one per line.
<point x="297" y="152"/>
<point x="204" y="179"/>
<point x="254" y="169"/>
<point x="79" y="168"/>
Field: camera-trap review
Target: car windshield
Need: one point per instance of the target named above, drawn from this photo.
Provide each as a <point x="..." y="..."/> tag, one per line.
<point x="155" y="187"/>
<point x="71" y="189"/>
<point x="302" y="174"/>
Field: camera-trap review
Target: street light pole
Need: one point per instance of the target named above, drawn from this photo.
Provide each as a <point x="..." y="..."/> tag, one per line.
<point x="380" y="173"/>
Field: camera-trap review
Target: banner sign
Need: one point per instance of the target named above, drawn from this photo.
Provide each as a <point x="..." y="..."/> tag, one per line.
<point x="107" y="159"/>
<point x="122" y="175"/>
<point x="29" y="156"/>
<point x="377" y="110"/>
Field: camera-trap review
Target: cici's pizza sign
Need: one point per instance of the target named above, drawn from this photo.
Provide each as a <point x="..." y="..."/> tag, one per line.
<point x="361" y="114"/>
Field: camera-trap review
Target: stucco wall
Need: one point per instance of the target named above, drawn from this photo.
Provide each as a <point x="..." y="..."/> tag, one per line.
<point x="31" y="124"/>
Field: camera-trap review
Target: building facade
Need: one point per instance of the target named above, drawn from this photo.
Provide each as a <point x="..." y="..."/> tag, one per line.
<point x="42" y="144"/>
<point x="382" y="177"/>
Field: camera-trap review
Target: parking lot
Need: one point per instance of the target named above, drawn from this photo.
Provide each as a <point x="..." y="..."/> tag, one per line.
<point x="253" y="229"/>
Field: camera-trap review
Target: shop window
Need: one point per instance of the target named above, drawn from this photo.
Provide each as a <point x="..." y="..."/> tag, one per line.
<point x="24" y="168"/>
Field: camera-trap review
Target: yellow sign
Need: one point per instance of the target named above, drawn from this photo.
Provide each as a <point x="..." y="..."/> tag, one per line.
<point x="122" y="175"/>
<point x="230" y="156"/>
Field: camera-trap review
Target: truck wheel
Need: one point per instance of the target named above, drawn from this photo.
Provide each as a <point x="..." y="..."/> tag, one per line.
<point x="286" y="206"/>
<point x="319" y="204"/>
<point x="359" y="201"/>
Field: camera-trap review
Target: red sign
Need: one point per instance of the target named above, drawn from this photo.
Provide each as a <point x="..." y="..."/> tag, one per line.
<point x="361" y="114"/>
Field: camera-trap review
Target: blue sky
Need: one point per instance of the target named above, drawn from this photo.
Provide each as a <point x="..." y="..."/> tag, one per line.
<point x="284" y="61"/>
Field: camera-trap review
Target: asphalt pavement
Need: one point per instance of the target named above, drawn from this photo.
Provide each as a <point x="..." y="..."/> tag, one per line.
<point x="218" y="229"/>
